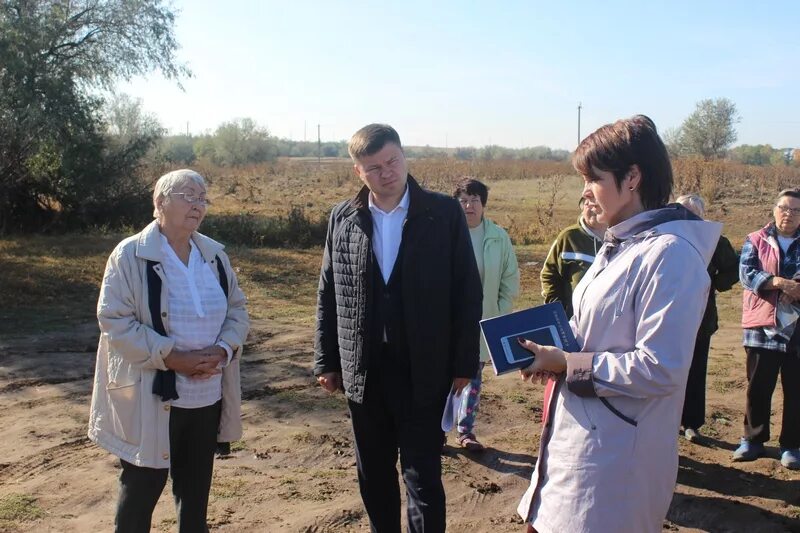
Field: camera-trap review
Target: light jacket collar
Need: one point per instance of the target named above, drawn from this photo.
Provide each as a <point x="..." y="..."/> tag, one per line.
<point x="491" y="231"/>
<point x="588" y="231"/>
<point x="148" y="246"/>
<point x="646" y="221"/>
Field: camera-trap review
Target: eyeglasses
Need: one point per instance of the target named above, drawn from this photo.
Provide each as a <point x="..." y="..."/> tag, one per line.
<point x="786" y="210"/>
<point x="192" y="199"/>
<point x="469" y="201"/>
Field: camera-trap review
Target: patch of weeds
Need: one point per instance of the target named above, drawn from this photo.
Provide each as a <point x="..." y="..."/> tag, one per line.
<point x="228" y="488"/>
<point x="167" y="524"/>
<point x="289" y="489"/>
<point x="331" y="473"/>
<point x="19" y="508"/>
<point x="336" y="442"/>
<point x="729" y="385"/>
<point x="486" y="488"/>
<point x="305" y="437"/>
<point x="450" y="465"/>
<point x="517" y="396"/>
<point x="720" y="416"/>
<point x="238" y="446"/>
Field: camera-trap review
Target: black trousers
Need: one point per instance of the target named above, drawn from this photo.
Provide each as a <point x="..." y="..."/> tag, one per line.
<point x="193" y="441"/>
<point x="388" y="424"/>
<point x="694" y="403"/>
<point x="763" y="367"/>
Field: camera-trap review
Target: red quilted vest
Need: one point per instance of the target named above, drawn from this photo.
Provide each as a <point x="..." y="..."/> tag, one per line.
<point x="759" y="311"/>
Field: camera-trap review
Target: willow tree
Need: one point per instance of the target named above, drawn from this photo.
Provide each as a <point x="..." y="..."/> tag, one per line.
<point x="56" y="60"/>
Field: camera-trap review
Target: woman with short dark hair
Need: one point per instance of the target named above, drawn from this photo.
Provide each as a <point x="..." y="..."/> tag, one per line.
<point x="609" y="455"/>
<point x="497" y="266"/>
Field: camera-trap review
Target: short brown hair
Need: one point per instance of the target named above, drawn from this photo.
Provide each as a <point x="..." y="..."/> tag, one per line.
<point x="471" y="186"/>
<point x="617" y="147"/>
<point x="371" y="139"/>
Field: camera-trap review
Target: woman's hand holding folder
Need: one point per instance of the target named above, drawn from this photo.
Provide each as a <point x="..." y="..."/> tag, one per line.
<point x="549" y="361"/>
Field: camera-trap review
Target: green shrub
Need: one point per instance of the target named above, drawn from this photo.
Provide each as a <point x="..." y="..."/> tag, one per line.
<point x="293" y="230"/>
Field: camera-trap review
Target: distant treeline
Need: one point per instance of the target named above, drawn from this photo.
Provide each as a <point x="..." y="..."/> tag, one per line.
<point x="242" y="142"/>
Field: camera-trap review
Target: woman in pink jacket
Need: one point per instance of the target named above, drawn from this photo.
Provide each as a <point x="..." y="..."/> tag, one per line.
<point x="609" y="454"/>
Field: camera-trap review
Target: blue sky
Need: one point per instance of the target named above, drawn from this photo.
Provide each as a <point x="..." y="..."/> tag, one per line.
<point x="475" y="73"/>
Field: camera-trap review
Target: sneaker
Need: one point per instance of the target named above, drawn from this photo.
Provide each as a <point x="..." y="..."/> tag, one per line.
<point x="790" y="458"/>
<point x="692" y="435"/>
<point x="469" y="442"/>
<point x="748" y="451"/>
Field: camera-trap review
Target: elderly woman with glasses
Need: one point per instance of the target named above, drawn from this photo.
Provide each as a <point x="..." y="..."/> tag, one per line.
<point x="166" y="387"/>
<point x="769" y="270"/>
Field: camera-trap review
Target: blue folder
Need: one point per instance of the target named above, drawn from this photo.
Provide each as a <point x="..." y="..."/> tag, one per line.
<point x="546" y="325"/>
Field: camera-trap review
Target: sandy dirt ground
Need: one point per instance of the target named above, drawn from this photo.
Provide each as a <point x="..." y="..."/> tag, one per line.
<point x="294" y="468"/>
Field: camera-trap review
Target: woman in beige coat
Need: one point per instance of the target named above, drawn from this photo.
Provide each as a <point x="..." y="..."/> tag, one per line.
<point x="166" y="388"/>
<point x="609" y="455"/>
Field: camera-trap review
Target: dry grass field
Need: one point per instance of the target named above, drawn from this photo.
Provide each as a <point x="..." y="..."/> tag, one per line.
<point x="294" y="468"/>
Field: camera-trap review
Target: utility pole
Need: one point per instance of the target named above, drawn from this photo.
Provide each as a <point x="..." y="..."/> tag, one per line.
<point x="319" y="149"/>
<point x="579" y="123"/>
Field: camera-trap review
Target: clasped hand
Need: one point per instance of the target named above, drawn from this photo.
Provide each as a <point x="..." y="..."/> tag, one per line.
<point x="197" y="364"/>
<point x="790" y="290"/>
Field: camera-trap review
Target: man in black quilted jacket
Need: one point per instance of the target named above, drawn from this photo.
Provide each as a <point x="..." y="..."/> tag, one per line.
<point x="397" y="327"/>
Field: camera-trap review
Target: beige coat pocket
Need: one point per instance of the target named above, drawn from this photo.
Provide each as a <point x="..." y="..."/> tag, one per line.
<point x="125" y="410"/>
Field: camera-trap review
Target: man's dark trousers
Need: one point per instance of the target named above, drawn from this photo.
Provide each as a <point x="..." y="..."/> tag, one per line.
<point x="388" y="421"/>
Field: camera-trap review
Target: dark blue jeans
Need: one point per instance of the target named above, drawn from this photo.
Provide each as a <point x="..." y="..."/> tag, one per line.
<point x="193" y="441"/>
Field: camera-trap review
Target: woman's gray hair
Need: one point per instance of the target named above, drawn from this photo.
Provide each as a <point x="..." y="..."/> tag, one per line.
<point x="171" y="181"/>
<point x="694" y="203"/>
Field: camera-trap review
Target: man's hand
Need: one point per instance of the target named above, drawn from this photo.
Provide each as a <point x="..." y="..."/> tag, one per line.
<point x="330" y="381"/>
<point x="459" y="384"/>
<point x="548" y="358"/>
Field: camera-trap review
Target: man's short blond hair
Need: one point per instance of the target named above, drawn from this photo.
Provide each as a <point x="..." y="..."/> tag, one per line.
<point x="371" y="139"/>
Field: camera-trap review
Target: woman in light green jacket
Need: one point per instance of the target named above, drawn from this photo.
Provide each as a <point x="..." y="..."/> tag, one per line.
<point x="497" y="265"/>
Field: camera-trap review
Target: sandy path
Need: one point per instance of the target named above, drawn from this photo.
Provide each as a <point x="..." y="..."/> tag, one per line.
<point x="294" y="470"/>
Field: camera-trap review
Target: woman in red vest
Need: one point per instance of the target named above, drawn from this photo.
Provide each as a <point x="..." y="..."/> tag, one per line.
<point x="769" y="269"/>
